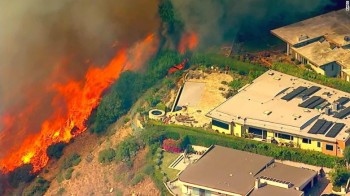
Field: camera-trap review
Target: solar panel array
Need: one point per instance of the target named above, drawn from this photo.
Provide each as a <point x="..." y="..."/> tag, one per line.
<point x="342" y="100"/>
<point x="310" y="91"/>
<point x="317" y="126"/>
<point x="342" y="114"/>
<point x="335" y="130"/>
<point x="294" y="93"/>
<point x="312" y="102"/>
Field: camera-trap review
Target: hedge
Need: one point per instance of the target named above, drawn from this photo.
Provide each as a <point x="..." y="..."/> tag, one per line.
<point x="309" y="75"/>
<point x="206" y="138"/>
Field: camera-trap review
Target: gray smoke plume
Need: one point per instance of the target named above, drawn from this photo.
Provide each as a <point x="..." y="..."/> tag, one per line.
<point x="45" y="42"/>
<point x="222" y="20"/>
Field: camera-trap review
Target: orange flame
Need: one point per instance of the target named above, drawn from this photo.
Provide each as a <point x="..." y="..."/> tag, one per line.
<point x="79" y="98"/>
<point x="189" y="41"/>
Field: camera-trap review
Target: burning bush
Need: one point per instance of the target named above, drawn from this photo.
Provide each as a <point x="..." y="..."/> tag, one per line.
<point x="171" y="145"/>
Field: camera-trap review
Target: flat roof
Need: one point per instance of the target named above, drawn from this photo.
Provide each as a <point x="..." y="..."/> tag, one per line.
<point x="321" y="53"/>
<point x="235" y="171"/>
<point x="274" y="190"/>
<point x="225" y="169"/>
<point x="334" y="25"/>
<point x="260" y="104"/>
<point x="297" y="176"/>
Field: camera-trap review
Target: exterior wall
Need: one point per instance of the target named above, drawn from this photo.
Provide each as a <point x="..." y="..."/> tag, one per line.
<point x="340" y="148"/>
<point x="237" y="130"/>
<point x="331" y="69"/>
<point x="297" y="140"/>
<point x="329" y="152"/>
<point x="190" y="189"/>
<point x="222" y="130"/>
<point x="312" y="146"/>
<point x="315" y="145"/>
<point x="317" y="69"/>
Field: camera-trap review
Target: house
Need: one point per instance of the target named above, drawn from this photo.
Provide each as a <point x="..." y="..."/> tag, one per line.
<point x="289" y="111"/>
<point x="225" y="171"/>
<point x="323" y="42"/>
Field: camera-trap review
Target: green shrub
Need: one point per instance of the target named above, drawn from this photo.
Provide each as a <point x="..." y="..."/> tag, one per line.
<point x="148" y="169"/>
<point x="137" y="179"/>
<point x="56" y="150"/>
<point x="61" y="191"/>
<point x="39" y="187"/>
<point x="127" y="149"/>
<point x="68" y="174"/>
<point x="71" y="161"/>
<point x="126" y="119"/>
<point x="339" y="176"/>
<point x="312" y="76"/>
<point x="107" y="155"/>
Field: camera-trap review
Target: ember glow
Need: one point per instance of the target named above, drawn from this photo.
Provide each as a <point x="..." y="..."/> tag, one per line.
<point x="189" y="41"/>
<point x="72" y="104"/>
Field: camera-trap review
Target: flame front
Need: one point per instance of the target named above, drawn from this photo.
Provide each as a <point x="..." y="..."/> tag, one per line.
<point x="189" y="41"/>
<point x="79" y="98"/>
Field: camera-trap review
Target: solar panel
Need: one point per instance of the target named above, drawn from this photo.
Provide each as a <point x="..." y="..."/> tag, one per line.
<point x="317" y="126"/>
<point x="325" y="127"/>
<point x="294" y="93"/>
<point x="316" y="103"/>
<point x="335" y="130"/>
<point x="343" y="113"/>
<point x="343" y="100"/>
<point x="310" y="101"/>
<point x="311" y="90"/>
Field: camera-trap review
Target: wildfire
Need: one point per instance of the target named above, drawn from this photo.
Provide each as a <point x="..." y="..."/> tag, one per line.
<point x="79" y="98"/>
<point x="189" y="41"/>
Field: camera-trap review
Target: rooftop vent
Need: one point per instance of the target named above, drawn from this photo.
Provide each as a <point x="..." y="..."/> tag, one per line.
<point x="303" y="37"/>
<point x="267" y="112"/>
<point x="277" y="78"/>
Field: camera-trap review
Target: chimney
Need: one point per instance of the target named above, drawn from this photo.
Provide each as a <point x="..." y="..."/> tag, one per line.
<point x="327" y="111"/>
<point x="257" y="183"/>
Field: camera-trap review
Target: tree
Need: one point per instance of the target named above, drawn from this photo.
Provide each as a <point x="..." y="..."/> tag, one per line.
<point x="347" y="156"/>
<point x="339" y="176"/>
<point x="185" y="143"/>
<point x="109" y="110"/>
<point x="127" y="149"/>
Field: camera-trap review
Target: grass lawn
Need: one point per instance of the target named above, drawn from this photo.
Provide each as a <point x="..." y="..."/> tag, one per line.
<point x="166" y="161"/>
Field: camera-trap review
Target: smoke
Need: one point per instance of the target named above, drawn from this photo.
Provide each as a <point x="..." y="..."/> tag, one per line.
<point x="48" y="42"/>
<point x="223" y="20"/>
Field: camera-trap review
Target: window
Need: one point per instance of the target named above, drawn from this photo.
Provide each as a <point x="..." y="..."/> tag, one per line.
<point x="329" y="147"/>
<point x="284" y="136"/>
<point x="220" y="124"/>
<point x="306" y="141"/>
<point x="319" y="144"/>
<point x="254" y="131"/>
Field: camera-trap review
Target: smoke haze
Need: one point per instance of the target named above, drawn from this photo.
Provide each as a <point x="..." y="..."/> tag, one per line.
<point x="47" y="42"/>
<point x="223" y="20"/>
